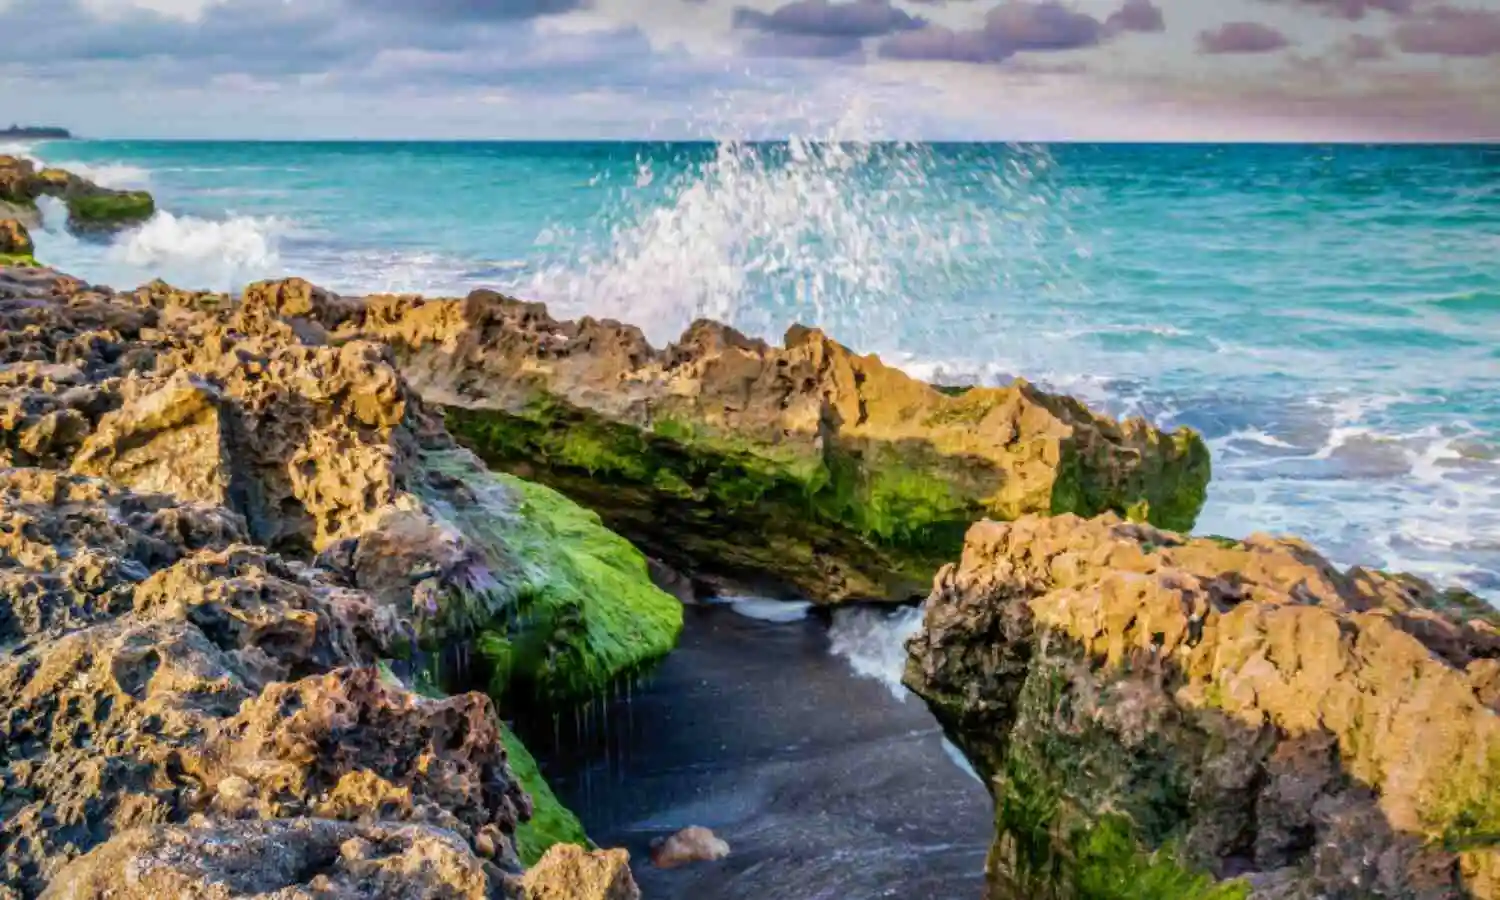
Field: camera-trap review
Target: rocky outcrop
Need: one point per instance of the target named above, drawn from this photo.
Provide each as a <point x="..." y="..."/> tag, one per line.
<point x="1161" y="717"/>
<point x="855" y="479"/>
<point x="230" y="552"/>
<point x="16" y="248"/>
<point x="91" y="208"/>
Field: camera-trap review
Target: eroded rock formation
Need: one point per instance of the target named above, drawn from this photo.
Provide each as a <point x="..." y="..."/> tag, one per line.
<point x="218" y="536"/>
<point x="91" y="208"/>
<point x="1160" y="717"/>
<point x="806" y="465"/>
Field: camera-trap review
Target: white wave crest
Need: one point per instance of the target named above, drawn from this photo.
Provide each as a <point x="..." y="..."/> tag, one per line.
<point x="214" y="254"/>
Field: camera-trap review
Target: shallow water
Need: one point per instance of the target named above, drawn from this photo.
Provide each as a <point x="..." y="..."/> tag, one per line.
<point x="1329" y="317"/>
<point x="826" y="784"/>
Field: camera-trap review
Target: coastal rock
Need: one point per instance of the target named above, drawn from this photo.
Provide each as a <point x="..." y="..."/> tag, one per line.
<point x="856" y="479"/>
<point x="91" y="209"/>
<point x="15" y="240"/>
<point x="295" y="859"/>
<point x="220" y="532"/>
<point x="1164" y="717"/>
<point x="569" y="872"/>
<point x="690" y="845"/>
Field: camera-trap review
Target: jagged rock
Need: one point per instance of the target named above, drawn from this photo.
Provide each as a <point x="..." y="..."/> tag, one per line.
<point x="690" y="845"/>
<point x="856" y="479"/>
<point x="15" y="240"/>
<point x="1163" y="717"/>
<point x="225" y="520"/>
<point x="296" y="859"/>
<point x="91" y="208"/>
<point x="569" y="872"/>
<point x="171" y="441"/>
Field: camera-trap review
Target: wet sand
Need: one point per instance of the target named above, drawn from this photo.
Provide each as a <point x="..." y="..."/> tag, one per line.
<point x="825" y="784"/>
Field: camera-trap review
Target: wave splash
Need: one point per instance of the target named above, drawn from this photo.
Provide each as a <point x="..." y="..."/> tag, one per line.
<point x="873" y="642"/>
<point x="847" y="235"/>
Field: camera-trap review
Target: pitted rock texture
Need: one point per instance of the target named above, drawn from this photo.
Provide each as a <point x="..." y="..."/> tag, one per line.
<point x="859" y="479"/>
<point x="214" y="524"/>
<point x="289" y="859"/>
<point x="1160" y="716"/>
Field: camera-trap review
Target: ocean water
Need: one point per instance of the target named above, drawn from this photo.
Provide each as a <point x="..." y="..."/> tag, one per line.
<point x="1328" y="317"/>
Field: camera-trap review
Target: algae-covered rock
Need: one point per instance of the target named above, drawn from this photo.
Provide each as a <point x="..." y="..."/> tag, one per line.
<point x="105" y="210"/>
<point x="218" y="529"/>
<point x="91" y="208"/>
<point x="822" y="470"/>
<point x="1161" y="717"/>
<point x="551" y="823"/>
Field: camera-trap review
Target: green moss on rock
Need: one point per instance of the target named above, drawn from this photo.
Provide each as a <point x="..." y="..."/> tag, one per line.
<point x="874" y="530"/>
<point x="109" y="209"/>
<point x="551" y="822"/>
<point x="20" y="261"/>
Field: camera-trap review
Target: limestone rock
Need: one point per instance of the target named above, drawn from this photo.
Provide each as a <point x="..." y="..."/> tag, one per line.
<point x="290" y="859"/>
<point x="569" y="872"/>
<point x="857" y="479"/>
<point x="1165" y="717"/>
<point x="692" y="844"/>
<point x="91" y="208"/>
<point x="15" y="240"/>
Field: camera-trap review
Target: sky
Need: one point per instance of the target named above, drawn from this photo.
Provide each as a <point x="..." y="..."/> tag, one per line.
<point x="1085" y="70"/>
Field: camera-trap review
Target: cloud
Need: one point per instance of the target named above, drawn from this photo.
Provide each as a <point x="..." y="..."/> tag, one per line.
<point x="805" y="46"/>
<point x="822" y="18"/>
<point x="1242" y="37"/>
<point x="1354" y="10"/>
<point x="1451" y="31"/>
<point x="470" y="10"/>
<point x="1014" y="27"/>
<point x="1362" y="47"/>
<point x="1136" y="15"/>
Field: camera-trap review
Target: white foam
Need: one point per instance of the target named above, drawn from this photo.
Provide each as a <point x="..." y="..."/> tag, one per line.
<point x="958" y="758"/>
<point x="764" y="610"/>
<point x="873" y="641"/>
<point x="111" y="175"/>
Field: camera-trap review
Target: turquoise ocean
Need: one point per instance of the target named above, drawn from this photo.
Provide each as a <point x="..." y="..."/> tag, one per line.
<point x="1328" y="317"/>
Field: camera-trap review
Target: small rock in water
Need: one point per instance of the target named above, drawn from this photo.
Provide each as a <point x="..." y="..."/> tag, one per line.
<point x="690" y="845"/>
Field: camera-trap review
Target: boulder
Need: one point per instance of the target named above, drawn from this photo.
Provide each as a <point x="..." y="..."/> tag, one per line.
<point x="807" y="467"/>
<point x="690" y="845"/>
<point x="569" y="872"/>
<point x="1162" y="717"/>
<point x="16" y="247"/>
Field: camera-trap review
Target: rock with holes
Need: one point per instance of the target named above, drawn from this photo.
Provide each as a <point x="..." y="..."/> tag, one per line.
<point x="290" y="859"/>
<point x="1164" y="717"/>
<point x="857" y="479"/>
<point x="569" y="872"/>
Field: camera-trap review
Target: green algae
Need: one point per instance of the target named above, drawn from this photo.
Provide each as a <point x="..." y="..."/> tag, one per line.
<point x="893" y="522"/>
<point x="1168" y="497"/>
<point x="109" y="208"/>
<point x="551" y="822"/>
<point x="568" y="606"/>
<point x="1076" y="818"/>
<point x="19" y="260"/>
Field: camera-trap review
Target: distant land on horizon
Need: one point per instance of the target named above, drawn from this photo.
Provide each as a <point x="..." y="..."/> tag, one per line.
<point x="47" y="132"/>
